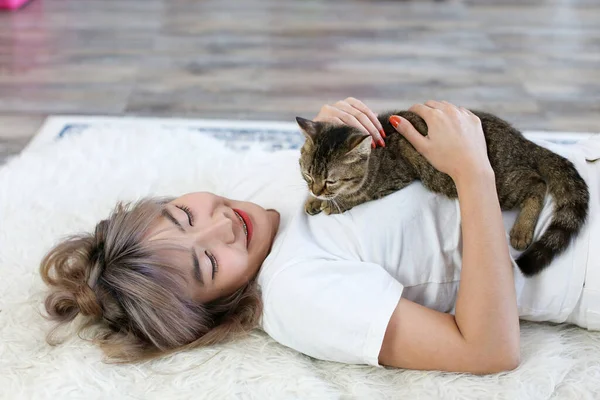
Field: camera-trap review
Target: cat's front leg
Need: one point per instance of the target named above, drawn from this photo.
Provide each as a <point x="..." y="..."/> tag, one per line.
<point x="338" y="205"/>
<point x="313" y="206"/>
<point x="335" y="206"/>
<point x="329" y="208"/>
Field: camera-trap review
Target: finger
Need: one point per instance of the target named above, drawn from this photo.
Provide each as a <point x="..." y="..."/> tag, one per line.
<point x="325" y="114"/>
<point x="362" y="119"/>
<point x="423" y="111"/>
<point x="465" y="110"/>
<point x="438" y="105"/>
<point x="449" y="105"/>
<point x="338" y="121"/>
<point x="407" y="130"/>
<point x="349" y="119"/>
<point x="360" y="106"/>
<point x="352" y="121"/>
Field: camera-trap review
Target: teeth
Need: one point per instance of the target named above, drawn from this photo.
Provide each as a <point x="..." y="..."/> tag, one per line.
<point x="243" y="223"/>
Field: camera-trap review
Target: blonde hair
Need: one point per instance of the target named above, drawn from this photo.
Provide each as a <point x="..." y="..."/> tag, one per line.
<point x="133" y="297"/>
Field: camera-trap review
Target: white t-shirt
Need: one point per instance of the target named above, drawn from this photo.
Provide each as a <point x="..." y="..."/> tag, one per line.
<point x="331" y="283"/>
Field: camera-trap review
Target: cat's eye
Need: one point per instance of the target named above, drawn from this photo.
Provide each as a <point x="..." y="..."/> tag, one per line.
<point x="307" y="178"/>
<point x="331" y="182"/>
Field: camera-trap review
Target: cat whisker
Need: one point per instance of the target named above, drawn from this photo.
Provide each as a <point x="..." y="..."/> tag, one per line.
<point x="335" y="203"/>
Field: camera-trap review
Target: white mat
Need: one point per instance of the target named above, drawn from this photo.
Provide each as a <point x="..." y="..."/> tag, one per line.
<point x="65" y="183"/>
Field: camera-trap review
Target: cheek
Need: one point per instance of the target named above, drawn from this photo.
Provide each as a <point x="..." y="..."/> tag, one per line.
<point x="339" y="189"/>
<point x="351" y="185"/>
<point x="356" y="172"/>
<point x="335" y="188"/>
<point x="234" y="268"/>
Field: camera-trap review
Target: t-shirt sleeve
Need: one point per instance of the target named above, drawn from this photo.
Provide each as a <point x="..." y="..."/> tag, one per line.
<point x="331" y="310"/>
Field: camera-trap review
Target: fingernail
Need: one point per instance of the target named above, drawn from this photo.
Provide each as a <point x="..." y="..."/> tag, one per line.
<point x="395" y="121"/>
<point x="382" y="133"/>
<point x="381" y="143"/>
<point x="373" y="144"/>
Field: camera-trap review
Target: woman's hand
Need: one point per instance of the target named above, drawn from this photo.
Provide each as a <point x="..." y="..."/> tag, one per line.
<point x="455" y="143"/>
<point x="353" y="112"/>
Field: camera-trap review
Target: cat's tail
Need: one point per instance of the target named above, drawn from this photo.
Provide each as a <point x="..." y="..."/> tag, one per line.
<point x="571" y="202"/>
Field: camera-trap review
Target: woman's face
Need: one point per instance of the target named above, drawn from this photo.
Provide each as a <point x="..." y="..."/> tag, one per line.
<point x="225" y="241"/>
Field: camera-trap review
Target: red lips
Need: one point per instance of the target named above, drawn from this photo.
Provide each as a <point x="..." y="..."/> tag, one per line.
<point x="248" y="222"/>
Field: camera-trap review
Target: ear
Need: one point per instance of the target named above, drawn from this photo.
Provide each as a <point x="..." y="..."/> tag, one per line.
<point x="308" y="127"/>
<point x="360" y="148"/>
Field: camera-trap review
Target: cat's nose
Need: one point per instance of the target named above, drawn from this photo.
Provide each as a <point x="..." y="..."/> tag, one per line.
<point x="317" y="189"/>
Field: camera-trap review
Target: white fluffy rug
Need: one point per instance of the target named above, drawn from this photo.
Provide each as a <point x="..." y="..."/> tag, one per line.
<point x="58" y="187"/>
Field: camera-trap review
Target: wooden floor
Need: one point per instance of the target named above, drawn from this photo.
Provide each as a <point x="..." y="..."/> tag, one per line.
<point x="533" y="62"/>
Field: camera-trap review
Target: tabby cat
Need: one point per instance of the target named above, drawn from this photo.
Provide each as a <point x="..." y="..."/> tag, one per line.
<point x="342" y="171"/>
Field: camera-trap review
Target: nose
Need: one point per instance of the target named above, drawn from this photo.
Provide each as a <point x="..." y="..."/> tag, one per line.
<point x="218" y="230"/>
<point x="317" y="189"/>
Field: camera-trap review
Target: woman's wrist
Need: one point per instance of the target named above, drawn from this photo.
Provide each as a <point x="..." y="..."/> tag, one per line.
<point x="474" y="176"/>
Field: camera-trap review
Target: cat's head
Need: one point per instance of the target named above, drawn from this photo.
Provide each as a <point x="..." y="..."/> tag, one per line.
<point x="334" y="158"/>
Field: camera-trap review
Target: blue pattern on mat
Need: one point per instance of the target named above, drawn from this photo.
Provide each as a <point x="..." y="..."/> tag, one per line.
<point x="237" y="138"/>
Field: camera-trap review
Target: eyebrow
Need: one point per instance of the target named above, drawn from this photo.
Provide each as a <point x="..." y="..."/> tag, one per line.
<point x="167" y="214"/>
<point x="197" y="272"/>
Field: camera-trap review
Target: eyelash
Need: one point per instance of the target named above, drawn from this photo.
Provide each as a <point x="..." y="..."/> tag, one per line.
<point x="189" y="214"/>
<point x="213" y="261"/>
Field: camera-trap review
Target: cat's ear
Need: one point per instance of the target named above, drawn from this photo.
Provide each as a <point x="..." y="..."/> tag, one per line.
<point x="308" y="127"/>
<point x="359" y="148"/>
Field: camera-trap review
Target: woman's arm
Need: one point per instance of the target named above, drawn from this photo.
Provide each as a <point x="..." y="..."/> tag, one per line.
<point x="483" y="335"/>
<point x="486" y="305"/>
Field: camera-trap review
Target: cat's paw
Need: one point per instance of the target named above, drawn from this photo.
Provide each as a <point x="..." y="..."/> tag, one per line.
<point x="312" y="206"/>
<point x="328" y="208"/>
<point x="520" y="237"/>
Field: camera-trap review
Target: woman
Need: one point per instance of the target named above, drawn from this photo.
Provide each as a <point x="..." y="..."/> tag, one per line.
<point x="377" y="285"/>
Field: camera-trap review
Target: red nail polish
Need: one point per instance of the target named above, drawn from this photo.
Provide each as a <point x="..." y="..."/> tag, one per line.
<point x="395" y="121"/>
<point x="381" y="143"/>
<point x="382" y="133"/>
<point x="373" y="144"/>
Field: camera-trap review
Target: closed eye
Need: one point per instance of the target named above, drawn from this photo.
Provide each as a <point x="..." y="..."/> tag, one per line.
<point x="307" y="177"/>
<point x="189" y="214"/>
<point x="213" y="262"/>
<point x="331" y="182"/>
